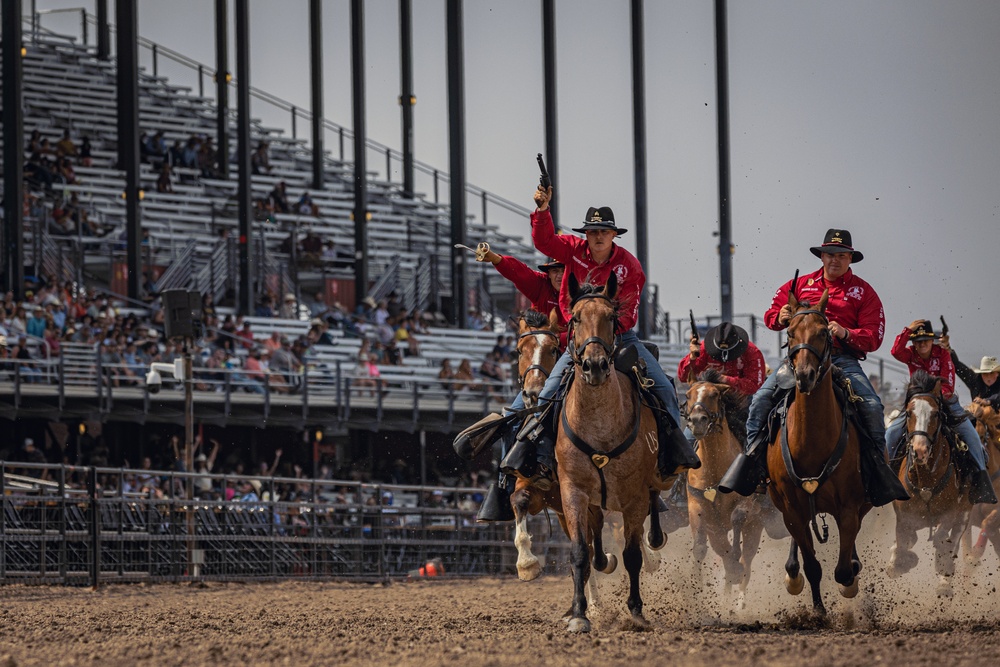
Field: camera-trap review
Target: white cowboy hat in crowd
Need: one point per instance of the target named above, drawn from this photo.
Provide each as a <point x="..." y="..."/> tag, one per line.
<point x="987" y="365"/>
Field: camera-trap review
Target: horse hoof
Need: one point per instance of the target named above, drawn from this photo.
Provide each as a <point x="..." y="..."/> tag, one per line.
<point x="656" y="547"/>
<point x="850" y="591"/>
<point x="612" y="564"/>
<point x="944" y="590"/>
<point x="529" y="571"/>
<point x="578" y="625"/>
<point x="741" y="601"/>
<point x="795" y="586"/>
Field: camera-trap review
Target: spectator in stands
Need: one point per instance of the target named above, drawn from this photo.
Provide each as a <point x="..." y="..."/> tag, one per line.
<point x="65" y="146"/>
<point x="34" y="142"/>
<point x="318" y="307"/>
<point x="366" y="309"/>
<point x="330" y="253"/>
<point x="260" y="161"/>
<point x="189" y="157"/>
<point x="367" y="374"/>
<point x="36" y="323"/>
<point x="493" y="371"/>
<point x="319" y="333"/>
<point x="26" y="362"/>
<point x="207" y="159"/>
<point x="289" y="309"/>
<point x="284" y="367"/>
<point x="446" y="375"/>
<point x="203" y="466"/>
<point x="52" y="341"/>
<point x="393" y="306"/>
<point x="266" y="307"/>
<point x="246" y="335"/>
<point x="164" y="184"/>
<point x="37" y="173"/>
<point x="392" y="355"/>
<point x="465" y="379"/>
<point x="274" y="341"/>
<point x="234" y="367"/>
<point x="256" y="365"/>
<point x="86" y="159"/>
<point x="405" y="336"/>
<point x="66" y="173"/>
<point x="475" y="320"/>
<point x="279" y="198"/>
<point x="306" y="205"/>
<point x="312" y="249"/>
<point x="32" y="455"/>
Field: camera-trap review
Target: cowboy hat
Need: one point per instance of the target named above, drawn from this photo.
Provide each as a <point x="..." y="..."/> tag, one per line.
<point x="987" y="365"/>
<point x="924" y="332"/>
<point x="551" y="264"/>
<point x="726" y="342"/>
<point x="600" y="218"/>
<point x="837" y="240"/>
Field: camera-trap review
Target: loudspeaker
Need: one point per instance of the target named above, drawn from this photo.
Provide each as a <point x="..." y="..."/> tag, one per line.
<point x="182" y="313"/>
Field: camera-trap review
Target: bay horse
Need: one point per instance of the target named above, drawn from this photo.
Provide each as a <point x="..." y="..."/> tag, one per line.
<point x="606" y="449"/>
<point x="715" y="414"/>
<point x="938" y="501"/>
<point x="987" y="517"/>
<point x="814" y="459"/>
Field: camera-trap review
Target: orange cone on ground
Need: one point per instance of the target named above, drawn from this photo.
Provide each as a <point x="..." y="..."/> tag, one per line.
<point x="432" y="568"/>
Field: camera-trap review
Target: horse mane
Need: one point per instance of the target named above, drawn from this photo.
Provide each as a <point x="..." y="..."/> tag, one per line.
<point x="921" y="382"/>
<point x="535" y="319"/>
<point x="589" y="289"/>
<point x="735" y="405"/>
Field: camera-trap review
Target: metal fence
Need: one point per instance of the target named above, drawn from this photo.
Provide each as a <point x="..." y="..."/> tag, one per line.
<point x="76" y="525"/>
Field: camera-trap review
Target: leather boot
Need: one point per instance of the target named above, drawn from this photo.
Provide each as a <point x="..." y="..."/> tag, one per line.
<point x="748" y="471"/>
<point x="533" y="455"/>
<point x="496" y="505"/>
<point x="981" y="488"/>
<point x="483" y="433"/>
<point x="881" y="483"/>
<point x="675" y="453"/>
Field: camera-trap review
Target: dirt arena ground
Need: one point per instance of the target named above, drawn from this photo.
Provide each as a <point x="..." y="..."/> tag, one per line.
<point x="499" y="621"/>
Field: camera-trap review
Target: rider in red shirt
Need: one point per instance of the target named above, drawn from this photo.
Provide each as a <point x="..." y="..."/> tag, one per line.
<point x="728" y="349"/>
<point x="923" y="354"/>
<point x="540" y="287"/>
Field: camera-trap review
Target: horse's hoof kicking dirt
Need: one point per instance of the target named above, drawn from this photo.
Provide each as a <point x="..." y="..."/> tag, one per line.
<point x="578" y="625"/>
<point x="850" y="591"/>
<point x="794" y="586"/>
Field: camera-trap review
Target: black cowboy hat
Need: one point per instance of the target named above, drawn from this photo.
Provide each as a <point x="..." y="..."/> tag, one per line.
<point x="551" y="264"/>
<point x="924" y="332"/>
<point x="726" y="342"/>
<point x="837" y="240"/>
<point x="600" y="218"/>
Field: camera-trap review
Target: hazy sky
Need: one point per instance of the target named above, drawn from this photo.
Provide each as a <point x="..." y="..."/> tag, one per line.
<point x="878" y="116"/>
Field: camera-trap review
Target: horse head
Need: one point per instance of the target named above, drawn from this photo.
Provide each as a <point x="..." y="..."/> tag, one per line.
<point x="987" y="421"/>
<point x="592" y="328"/>
<point x="705" y="410"/>
<point x="537" y="352"/>
<point x="808" y="332"/>
<point x="923" y="415"/>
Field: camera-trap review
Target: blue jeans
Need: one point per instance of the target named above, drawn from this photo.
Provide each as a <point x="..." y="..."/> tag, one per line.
<point x="966" y="432"/>
<point x="663" y="385"/>
<point x="870" y="409"/>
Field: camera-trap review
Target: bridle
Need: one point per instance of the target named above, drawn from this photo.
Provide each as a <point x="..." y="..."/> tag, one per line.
<point x="824" y="358"/>
<point x="573" y="349"/>
<point x="535" y="367"/>
<point x="715" y="418"/>
<point x="930" y="438"/>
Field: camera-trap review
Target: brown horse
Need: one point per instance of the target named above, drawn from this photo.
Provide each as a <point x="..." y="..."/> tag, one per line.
<point x="938" y="502"/>
<point x="537" y="353"/>
<point x="605" y="449"/>
<point x="711" y="407"/>
<point x="814" y="461"/>
<point x="987" y="517"/>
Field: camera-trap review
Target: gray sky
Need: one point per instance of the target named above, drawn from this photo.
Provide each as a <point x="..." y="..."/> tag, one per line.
<point x="878" y="116"/>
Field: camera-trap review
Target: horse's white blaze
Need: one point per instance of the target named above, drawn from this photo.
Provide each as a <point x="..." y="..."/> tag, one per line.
<point x="528" y="567"/>
<point x="922" y="412"/>
<point x="699" y="397"/>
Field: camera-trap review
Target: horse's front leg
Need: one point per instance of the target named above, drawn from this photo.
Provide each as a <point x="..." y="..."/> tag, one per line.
<point x="528" y="567"/>
<point x="845" y="574"/>
<point x="902" y="559"/>
<point x="946" y="543"/>
<point x="632" y="557"/>
<point x="575" y="505"/>
<point x="751" y="528"/>
<point x="604" y="562"/>
<point x="718" y="536"/>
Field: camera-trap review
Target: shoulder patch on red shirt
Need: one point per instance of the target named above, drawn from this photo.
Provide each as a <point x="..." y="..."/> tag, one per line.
<point x="621" y="272"/>
<point x="856" y="292"/>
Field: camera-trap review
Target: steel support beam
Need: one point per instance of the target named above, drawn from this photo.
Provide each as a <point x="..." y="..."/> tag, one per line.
<point x="639" y="143"/>
<point x="127" y="47"/>
<point x="13" y="147"/>
<point x="407" y="96"/>
<point x="316" y="89"/>
<point x="103" y="31"/>
<point x="456" y="132"/>
<point x="245" y="289"/>
<point x="726" y="247"/>
<point x="360" y="152"/>
<point x="222" y="77"/>
<point x="551" y="109"/>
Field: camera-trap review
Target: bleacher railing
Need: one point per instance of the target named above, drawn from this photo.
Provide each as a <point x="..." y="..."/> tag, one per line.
<point x="79" y="525"/>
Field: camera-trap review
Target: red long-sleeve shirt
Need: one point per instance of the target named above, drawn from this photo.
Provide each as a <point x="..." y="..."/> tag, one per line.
<point x="939" y="363"/>
<point x="853" y="304"/>
<point x="574" y="252"/>
<point x="745" y="374"/>
<point x="535" y="285"/>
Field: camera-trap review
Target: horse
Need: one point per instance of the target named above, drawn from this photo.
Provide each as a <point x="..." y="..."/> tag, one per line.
<point x="938" y="500"/>
<point x="987" y="517"/>
<point x="814" y="460"/>
<point x="715" y="414"/>
<point x="606" y="448"/>
<point x="537" y="353"/>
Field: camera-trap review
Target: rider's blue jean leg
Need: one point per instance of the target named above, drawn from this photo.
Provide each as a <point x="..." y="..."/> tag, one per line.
<point x="761" y="406"/>
<point x="894" y="434"/>
<point x="555" y="377"/>
<point x="967" y="432"/>
<point x="871" y="411"/>
<point x="663" y="386"/>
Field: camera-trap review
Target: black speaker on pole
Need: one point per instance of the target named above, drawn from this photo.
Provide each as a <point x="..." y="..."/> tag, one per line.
<point x="181" y="313"/>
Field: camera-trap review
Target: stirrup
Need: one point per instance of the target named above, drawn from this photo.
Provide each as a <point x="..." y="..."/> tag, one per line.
<point x="496" y="505"/>
<point x="520" y="460"/>
<point x="544" y="479"/>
